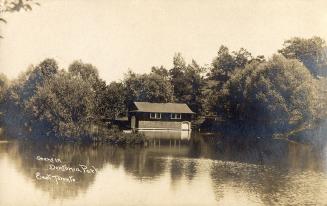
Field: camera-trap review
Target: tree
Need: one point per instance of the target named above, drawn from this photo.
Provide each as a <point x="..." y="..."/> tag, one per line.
<point x="161" y="71"/>
<point x="3" y="87"/>
<point x="274" y="94"/>
<point x="188" y="82"/>
<point x="45" y="101"/>
<point x="37" y="75"/>
<point x="90" y="74"/>
<point x="222" y="69"/>
<point x="193" y="94"/>
<point x="16" y="117"/>
<point x="311" y="52"/>
<point x="147" y="88"/>
<point x="241" y="58"/>
<point x="16" y="6"/>
<point x="177" y="77"/>
<point x="3" y="90"/>
<point x="65" y="104"/>
<point x="115" y="100"/>
<point x="225" y="64"/>
<point x="86" y="71"/>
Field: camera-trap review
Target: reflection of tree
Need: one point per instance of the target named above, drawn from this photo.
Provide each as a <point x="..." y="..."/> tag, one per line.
<point x="305" y="157"/>
<point x="269" y="170"/>
<point x="191" y="170"/>
<point x="152" y="162"/>
<point x="176" y="170"/>
<point x="264" y="169"/>
<point x="260" y="152"/>
<point x="24" y="156"/>
<point x="143" y="163"/>
<point x="251" y="179"/>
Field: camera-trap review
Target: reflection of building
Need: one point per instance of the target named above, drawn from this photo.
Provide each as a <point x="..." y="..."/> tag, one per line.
<point x="161" y="134"/>
<point x="160" y="116"/>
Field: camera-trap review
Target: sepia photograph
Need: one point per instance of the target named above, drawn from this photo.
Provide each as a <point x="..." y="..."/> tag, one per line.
<point x="163" y="102"/>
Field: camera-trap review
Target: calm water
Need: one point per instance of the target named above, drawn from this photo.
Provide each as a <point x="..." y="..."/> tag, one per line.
<point x="176" y="170"/>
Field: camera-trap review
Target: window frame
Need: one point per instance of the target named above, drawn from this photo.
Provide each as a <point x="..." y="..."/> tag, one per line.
<point x="156" y="115"/>
<point x="175" y="116"/>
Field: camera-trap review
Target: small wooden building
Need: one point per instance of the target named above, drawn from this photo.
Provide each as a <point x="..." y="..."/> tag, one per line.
<point x="160" y="116"/>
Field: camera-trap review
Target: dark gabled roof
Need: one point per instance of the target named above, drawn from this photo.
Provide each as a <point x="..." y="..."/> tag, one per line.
<point x="162" y="107"/>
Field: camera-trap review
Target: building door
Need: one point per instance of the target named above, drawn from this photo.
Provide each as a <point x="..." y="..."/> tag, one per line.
<point x="186" y="126"/>
<point x="133" y="122"/>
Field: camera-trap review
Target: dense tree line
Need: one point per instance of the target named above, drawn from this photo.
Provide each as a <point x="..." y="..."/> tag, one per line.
<point x="275" y="94"/>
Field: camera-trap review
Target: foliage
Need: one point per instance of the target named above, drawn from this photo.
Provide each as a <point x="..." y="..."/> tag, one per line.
<point x="147" y="88"/>
<point x="36" y="76"/>
<point x="276" y="95"/>
<point x="188" y="82"/>
<point x="16" y="6"/>
<point x="225" y="63"/>
<point x="89" y="73"/>
<point x="273" y="94"/>
<point x="120" y="138"/>
<point x="114" y="103"/>
<point x="16" y="116"/>
<point x="65" y="103"/>
<point x="3" y="87"/>
<point x="177" y="74"/>
<point x="311" y="52"/>
<point x="161" y="71"/>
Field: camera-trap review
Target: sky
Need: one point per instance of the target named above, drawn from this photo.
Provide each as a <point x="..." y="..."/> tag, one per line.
<point x="116" y="35"/>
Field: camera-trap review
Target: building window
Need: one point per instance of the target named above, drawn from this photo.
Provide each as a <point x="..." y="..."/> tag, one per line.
<point x="155" y="116"/>
<point x="175" y="116"/>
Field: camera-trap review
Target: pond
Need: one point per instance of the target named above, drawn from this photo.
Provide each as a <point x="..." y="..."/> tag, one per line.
<point x="175" y="169"/>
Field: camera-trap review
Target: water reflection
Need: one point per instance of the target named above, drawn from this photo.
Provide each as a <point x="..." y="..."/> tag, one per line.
<point x="173" y="171"/>
<point x="172" y="135"/>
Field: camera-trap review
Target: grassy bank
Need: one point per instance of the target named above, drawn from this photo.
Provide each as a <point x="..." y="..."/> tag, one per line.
<point x="101" y="133"/>
<point x="117" y="137"/>
<point x="92" y="134"/>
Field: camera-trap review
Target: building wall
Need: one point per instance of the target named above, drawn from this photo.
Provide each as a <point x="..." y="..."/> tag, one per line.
<point x="160" y="124"/>
<point x="143" y="120"/>
<point x="145" y="116"/>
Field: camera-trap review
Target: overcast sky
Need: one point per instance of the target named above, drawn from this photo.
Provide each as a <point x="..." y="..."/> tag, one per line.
<point x="137" y="34"/>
